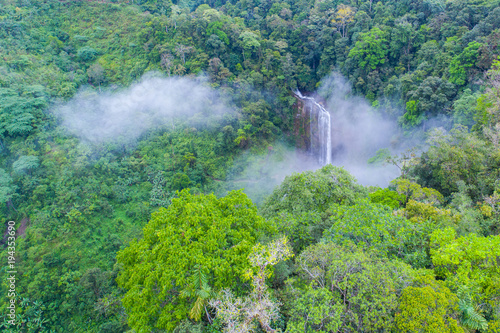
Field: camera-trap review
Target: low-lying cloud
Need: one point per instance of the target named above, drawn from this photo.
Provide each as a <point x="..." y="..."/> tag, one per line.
<point x="151" y="103"/>
<point x="358" y="130"/>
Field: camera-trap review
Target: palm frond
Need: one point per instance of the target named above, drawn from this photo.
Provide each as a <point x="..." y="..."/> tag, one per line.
<point x="471" y="317"/>
<point x="197" y="309"/>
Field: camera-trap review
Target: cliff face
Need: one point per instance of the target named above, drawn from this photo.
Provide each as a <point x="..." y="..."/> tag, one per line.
<point x="312" y="128"/>
<point x="302" y="125"/>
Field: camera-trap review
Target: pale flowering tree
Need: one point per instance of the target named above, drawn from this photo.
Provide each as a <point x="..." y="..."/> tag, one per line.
<point x="239" y="314"/>
<point x="343" y="17"/>
<point x="167" y="61"/>
<point x="182" y="51"/>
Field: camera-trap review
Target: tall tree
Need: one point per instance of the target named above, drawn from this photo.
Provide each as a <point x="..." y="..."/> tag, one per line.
<point x="343" y="17"/>
<point x="195" y="231"/>
<point x="182" y="50"/>
<point x="428" y="306"/>
<point x="371" y="49"/>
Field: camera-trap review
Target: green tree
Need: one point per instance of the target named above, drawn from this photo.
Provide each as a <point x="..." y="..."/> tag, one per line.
<point x="462" y="63"/>
<point x="25" y="164"/>
<point x="431" y="97"/>
<point x="21" y="110"/>
<point x="199" y="289"/>
<point x="363" y="287"/>
<point x="313" y="191"/>
<point x="215" y="28"/>
<point x="375" y="227"/>
<point x="403" y="37"/>
<point x="488" y="115"/>
<point x="299" y="206"/>
<point x="421" y="212"/>
<point x="249" y="43"/>
<point x="426" y="307"/>
<point x="87" y="54"/>
<point x="412" y="117"/>
<point x="7" y="189"/>
<point x="471" y="317"/>
<point x="470" y="261"/>
<point x="314" y="310"/>
<point x="388" y="197"/>
<point x="96" y="74"/>
<point x="458" y="157"/>
<point x="217" y="234"/>
<point x="464" y="108"/>
<point x="371" y="49"/>
<point x="413" y="191"/>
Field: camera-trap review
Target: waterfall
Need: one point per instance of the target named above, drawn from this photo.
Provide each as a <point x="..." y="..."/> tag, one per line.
<point x="320" y="125"/>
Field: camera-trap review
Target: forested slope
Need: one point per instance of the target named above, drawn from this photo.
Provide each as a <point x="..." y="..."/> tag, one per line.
<point x="422" y="253"/>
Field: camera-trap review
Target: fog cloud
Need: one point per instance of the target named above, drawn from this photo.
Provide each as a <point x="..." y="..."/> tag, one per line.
<point x="358" y="132"/>
<point x="151" y="103"/>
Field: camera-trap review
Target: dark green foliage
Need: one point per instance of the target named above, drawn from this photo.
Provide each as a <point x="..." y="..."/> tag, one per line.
<point x="112" y="327"/>
<point x="470" y="317"/>
<point x="7" y="189"/>
<point x="465" y="108"/>
<point x="25" y="164"/>
<point x="300" y="206"/>
<point x="180" y="181"/>
<point x="21" y="110"/>
<point x="86" y="54"/>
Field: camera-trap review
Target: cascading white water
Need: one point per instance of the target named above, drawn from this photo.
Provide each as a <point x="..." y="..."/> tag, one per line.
<point x="323" y="128"/>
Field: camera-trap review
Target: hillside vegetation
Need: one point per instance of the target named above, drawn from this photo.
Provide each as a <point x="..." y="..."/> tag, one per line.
<point x="126" y="234"/>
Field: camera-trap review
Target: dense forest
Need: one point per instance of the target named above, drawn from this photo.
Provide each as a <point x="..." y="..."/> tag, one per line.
<point x="128" y="128"/>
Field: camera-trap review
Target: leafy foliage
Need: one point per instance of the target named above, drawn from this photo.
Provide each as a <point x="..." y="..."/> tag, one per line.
<point x="25" y="164"/>
<point x="469" y="261"/>
<point x="351" y="284"/>
<point x="470" y="315"/>
<point x="455" y="157"/>
<point x="313" y="191"/>
<point x="374" y="227"/>
<point x="76" y="205"/>
<point x="428" y="307"/>
<point x="199" y="289"/>
<point x="371" y="49"/>
<point x="6" y="186"/>
<point x="387" y="197"/>
<point x="239" y="314"/>
<point x="314" y="310"/>
<point x="300" y="205"/>
<point x="195" y="231"/>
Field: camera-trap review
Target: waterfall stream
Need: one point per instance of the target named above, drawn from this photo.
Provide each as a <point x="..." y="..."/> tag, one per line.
<point x="320" y="125"/>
